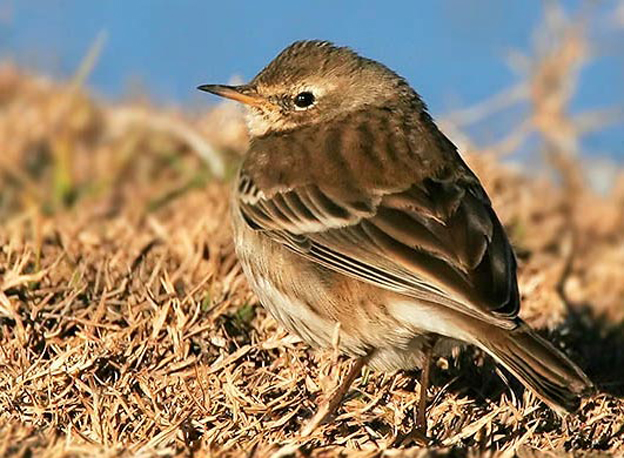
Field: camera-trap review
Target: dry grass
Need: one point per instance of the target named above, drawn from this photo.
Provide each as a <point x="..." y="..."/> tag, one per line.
<point x="127" y="328"/>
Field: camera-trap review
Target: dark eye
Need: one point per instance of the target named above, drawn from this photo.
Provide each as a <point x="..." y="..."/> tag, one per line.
<point x="304" y="100"/>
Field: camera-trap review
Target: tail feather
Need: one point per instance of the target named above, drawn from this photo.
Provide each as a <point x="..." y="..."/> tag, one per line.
<point x="542" y="368"/>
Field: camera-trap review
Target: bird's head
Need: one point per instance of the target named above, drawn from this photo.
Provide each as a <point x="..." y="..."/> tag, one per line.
<point x="312" y="82"/>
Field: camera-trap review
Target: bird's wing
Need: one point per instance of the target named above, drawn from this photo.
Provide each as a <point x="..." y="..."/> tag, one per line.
<point x="436" y="241"/>
<point x="432" y="236"/>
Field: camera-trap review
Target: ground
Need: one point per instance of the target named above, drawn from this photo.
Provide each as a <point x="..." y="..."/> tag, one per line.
<point x="127" y="327"/>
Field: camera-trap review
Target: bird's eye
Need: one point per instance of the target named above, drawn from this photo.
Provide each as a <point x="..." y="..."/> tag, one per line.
<point x="304" y="100"/>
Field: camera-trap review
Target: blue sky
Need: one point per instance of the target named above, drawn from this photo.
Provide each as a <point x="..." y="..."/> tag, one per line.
<point x="452" y="51"/>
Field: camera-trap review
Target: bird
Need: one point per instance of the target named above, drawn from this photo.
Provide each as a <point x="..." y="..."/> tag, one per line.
<point x="358" y="224"/>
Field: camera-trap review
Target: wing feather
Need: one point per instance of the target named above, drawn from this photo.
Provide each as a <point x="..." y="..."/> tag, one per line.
<point x="452" y="253"/>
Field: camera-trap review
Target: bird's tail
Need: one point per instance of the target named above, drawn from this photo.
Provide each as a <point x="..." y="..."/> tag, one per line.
<point x="546" y="371"/>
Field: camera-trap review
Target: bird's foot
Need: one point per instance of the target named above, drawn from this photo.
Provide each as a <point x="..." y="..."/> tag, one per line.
<point x="417" y="436"/>
<point x="331" y="404"/>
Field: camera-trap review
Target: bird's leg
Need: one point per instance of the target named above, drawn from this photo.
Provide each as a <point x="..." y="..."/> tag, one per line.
<point x="421" y="419"/>
<point x="330" y="405"/>
<point x="419" y="433"/>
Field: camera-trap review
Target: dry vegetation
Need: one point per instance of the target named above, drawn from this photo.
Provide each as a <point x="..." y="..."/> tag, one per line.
<point x="127" y="328"/>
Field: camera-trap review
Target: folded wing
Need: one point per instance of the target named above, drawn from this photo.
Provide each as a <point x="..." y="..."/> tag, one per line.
<point x="436" y="239"/>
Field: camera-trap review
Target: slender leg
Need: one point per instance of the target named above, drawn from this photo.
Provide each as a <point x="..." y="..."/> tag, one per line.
<point x="421" y="419"/>
<point x="334" y="400"/>
<point x="418" y="434"/>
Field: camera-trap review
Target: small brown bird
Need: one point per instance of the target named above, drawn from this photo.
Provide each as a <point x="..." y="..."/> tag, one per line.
<point x="354" y="214"/>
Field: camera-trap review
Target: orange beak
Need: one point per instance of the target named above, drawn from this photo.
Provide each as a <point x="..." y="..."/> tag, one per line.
<point x="239" y="93"/>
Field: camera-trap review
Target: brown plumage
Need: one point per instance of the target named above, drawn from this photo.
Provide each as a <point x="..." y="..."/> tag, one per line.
<point x="351" y="208"/>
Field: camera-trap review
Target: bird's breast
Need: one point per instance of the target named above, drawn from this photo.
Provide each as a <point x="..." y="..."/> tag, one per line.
<point x="279" y="283"/>
<point x="318" y="304"/>
<point x="311" y="300"/>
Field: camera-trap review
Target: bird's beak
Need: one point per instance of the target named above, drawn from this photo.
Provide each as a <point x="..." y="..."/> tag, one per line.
<point x="241" y="94"/>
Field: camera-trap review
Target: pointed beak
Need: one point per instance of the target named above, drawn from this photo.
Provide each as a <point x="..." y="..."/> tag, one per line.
<point x="241" y="94"/>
